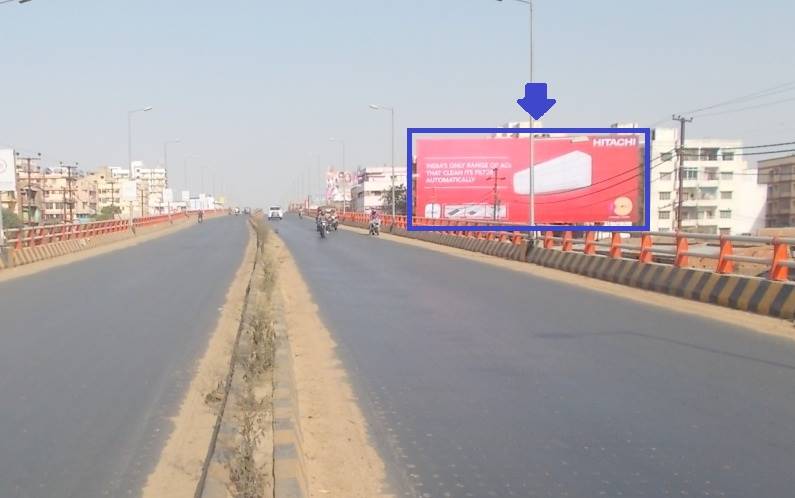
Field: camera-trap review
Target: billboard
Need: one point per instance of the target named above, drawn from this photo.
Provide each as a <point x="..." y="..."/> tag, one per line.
<point x="8" y="173"/>
<point x="128" y="190"/>
<point x="585" y="179"/>
<point x="338" y="185"/>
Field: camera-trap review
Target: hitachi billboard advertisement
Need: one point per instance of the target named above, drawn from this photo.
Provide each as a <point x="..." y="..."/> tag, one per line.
<point x="581" y="180"/>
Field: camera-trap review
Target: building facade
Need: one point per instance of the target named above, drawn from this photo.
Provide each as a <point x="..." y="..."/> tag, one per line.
<point x="372" y="184"/>
<point x="721" y="194"/>
<point x="778" y="177"/>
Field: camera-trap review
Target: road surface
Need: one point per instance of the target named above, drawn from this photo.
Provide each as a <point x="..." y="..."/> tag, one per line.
<point x="479" y="381"/>
<point x="96" y="355"/>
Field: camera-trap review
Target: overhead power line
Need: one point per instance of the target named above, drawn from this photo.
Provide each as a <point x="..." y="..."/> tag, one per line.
<point x="782" y="88"/>
<point x="748" y="108"/>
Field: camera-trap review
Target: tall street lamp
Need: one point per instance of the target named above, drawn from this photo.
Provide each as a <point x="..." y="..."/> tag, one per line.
<point x="531" y="176"/>
<point x="344" y="194"/>
<point x="129" y="151"/>
<point x="165" y="167"/>
<point x="392" y="113"/>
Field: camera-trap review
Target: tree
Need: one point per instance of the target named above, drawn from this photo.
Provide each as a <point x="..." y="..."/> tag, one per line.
<point x="400" y="200"/>
<point x="11" y="220"/>
<point x="107" y="213"/>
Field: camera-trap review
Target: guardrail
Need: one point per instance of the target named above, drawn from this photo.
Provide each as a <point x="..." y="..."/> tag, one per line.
<point x="19" y="238"/>
<point x="640" y="246"/>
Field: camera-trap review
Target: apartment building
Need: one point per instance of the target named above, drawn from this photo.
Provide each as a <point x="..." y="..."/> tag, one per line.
<point x="152" y="181"/>
<point x="69" y="196"/>
<point x="721" y="194"/>
<point x="778" y="176"/>
<point x="108" y="185"/>
<point x="371" y="185"/>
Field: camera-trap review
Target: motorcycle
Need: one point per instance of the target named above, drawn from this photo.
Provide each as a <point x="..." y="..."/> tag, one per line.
<point x="322" y="227"/>
<point x="201" y="217"/>
<point x="375" y="227"/>
<point x="335" y="223"/>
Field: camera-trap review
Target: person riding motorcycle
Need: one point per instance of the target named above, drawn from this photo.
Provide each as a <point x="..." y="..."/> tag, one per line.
<point x="201" y="216"/>
<point x="375" y="222"/>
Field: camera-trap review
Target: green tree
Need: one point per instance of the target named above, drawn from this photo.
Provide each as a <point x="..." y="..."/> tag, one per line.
<point x="107" y="213"/>
<point x="400" y="200"/>
<point x="11" y="220"/>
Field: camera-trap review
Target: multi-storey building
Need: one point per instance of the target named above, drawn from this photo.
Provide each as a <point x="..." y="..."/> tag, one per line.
<point x="372" y="184"/>
<point x="69" y="196"/>
<point x="108" y="184"/>
<point x="778" y="175"/>
<point x="720" y="192"/>
<point x="154" y="182"/>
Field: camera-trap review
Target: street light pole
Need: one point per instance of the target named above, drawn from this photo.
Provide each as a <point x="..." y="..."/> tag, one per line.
<point x="344" y="194"/>
<point x="129" y="151"/>
<point x="165" y="167"/>
<point x="531" y="176"/>
<point x="392" y="113"/>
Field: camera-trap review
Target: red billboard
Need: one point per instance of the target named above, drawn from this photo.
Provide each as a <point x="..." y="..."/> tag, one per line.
<point x="577" y="180"/>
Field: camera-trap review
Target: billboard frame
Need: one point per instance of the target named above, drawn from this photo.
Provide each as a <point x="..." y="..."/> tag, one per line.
<point x="645" y="227"/>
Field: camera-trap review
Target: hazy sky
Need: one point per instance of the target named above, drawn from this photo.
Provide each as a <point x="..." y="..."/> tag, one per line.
<point x="256" y="88"/>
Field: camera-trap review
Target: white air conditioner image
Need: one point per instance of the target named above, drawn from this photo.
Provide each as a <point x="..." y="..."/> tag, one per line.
<point x="567" y="172"/>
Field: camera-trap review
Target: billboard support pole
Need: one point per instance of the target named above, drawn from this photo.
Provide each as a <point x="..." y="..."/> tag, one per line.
<point x="532" y="138"/>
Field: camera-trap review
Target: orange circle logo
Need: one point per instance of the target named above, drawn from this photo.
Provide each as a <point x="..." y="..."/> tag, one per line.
<point x="622" y="206"/>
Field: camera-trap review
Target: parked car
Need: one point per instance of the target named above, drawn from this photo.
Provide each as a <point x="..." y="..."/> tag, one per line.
<point x="275" y="213"/>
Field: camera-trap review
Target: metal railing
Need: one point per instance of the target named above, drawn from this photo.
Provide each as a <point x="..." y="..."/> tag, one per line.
<point x="672" y="248"/>
<point x="19" y="238"/>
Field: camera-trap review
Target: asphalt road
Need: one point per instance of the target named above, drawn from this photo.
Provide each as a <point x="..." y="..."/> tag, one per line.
<point x="96" y="355"/>
<point x="480" y="381"/>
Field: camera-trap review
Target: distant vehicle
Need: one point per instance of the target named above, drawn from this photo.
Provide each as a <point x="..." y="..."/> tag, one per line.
<point x="247" y="210"/>
<point x="275" y="213"/>
<point x="237" y="211"/>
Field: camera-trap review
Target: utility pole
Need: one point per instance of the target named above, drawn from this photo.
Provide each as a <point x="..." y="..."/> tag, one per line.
<point x="69" y="181"/>
<point x="29" y="188"/>
<point x="494" y="192"/>
<point x="142" y="202"/>
<point x="112" y="197"/>
<point x="681" y="170"/>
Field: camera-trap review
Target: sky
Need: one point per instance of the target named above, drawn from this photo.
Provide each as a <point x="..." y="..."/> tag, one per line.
<point x="254" y="89"/>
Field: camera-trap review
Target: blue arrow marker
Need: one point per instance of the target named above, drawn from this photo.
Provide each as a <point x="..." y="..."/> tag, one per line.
<point x="535" y="101"/>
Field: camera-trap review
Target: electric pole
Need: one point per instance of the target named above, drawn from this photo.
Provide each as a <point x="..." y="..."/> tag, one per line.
<point x="112" y="197"/>
<point x="69" y="181"/>
<point x="494" y="192"/>
<point x="29" y="188"/>
<point x="142" y="201"/>
<point x="681" y="172"/>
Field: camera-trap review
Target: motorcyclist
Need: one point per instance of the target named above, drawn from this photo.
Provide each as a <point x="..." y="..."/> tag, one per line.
<point x="201" y="216"/>
<point x="374" y="215"/>
<point x="318" y="217"/>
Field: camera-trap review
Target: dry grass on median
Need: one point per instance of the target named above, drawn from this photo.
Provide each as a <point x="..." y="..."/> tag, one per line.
<point x="250" y="461"/>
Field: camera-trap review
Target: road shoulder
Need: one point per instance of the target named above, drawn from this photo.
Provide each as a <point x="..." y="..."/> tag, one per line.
<point x="750" y="321"/>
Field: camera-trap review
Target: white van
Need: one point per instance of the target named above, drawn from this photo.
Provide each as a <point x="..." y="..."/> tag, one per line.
<point x="275" y="213"/>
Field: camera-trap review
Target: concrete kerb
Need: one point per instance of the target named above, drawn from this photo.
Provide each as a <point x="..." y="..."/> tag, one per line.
<point x="290" y="479"/>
